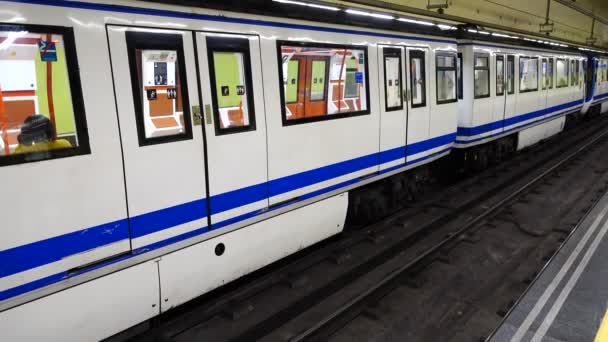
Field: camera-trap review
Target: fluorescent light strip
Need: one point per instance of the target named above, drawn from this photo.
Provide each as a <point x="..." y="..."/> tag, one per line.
<point x="419" y="22"/>
<point x="12" y="36"/>
<point x="369" y="14"/>
<point x="446" y="27"/>
<point x="290" y="2"/>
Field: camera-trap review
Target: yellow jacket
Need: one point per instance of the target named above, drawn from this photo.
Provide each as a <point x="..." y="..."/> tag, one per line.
<point x="42" y="147"/>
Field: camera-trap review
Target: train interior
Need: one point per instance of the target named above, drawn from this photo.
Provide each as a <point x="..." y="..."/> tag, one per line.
<point x="34" y="82"/>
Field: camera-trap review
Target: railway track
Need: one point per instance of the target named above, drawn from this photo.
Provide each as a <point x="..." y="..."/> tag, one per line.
<point x="316" y="293"/>
<point x="326" y="326"/>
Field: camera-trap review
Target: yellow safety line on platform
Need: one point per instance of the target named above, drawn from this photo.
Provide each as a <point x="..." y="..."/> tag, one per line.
<point x="602" y="332"/>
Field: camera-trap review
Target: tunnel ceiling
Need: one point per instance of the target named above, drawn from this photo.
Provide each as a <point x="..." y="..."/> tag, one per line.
<point x="524" y="16"/>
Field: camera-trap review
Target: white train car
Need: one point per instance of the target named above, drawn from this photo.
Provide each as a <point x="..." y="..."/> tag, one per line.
<point x="515" y="96"/>
<point x="598" y="94"/>
<point x="151" y="153"/>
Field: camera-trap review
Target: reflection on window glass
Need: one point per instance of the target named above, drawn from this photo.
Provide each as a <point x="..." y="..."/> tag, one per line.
<point x="418" y="81"/>
<point x="36" y="111"/>
<point x="528" y="74"/>
<point x="231" y="89"/>
<point x="446" y="78"/>
<point x="158" y="72"/>
<point x="331" y="80"/>
<point x="561" y="73"/>
<point x="500" y="75"/>
<point x="550" y="74"/>
<point x="482" y="77"/>
<point x="293" y="81"/>
<point x="510" y="74"/>
<point x="392" y="79"/>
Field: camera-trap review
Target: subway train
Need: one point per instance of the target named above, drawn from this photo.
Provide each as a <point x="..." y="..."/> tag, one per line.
<point x="150" y="153"/>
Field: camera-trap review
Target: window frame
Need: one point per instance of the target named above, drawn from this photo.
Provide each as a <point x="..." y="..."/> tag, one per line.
<point x="306" y="120"/>
<point x="459" y="76"/>
<point x="157" y="41"/>
<point x="567" y="72"/>
<point x="417" y="54"/>
<point x="487" y="68"/>
<point x="77" y="101"/>
<point x="510" y="58"/>
<point x="504" y="67"/>
<point x="238" y="45"/>
<point x="520" y="74"/>
<point x="437" y="69"/>
<point x="393" y="52"/>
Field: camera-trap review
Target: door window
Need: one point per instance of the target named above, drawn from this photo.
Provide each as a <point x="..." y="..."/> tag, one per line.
<point x="500" y="75"/>
<point x="41" y="110"/>
<point x="392" y="79"/>
<point x="549" y="78"/>
<point x="482" y="76"/>
<point x="510" y="74"/>
<point x="159" y="87"/>
<point x="293" y="81"/>
<point x="317" y="80"/>
<point x="445" y="67"/>
<point x="561" y="73"/>
<point x="231" y="84"/>
<point x="543" y="70"/>
<point x="417" y="78"/>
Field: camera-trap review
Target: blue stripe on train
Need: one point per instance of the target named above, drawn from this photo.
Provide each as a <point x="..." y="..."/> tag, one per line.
<point x="42" y="252"/>
<point x="473" y="131"/>
<point x="215" y="18"/>
<point x="21" y="258"/>
<point x="18" y="290"/>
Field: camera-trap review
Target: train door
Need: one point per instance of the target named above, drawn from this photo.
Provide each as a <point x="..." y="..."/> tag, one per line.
<point x="544" y="73"/>
<point x="393" y="111"/>
<point x="499" y="87"/>
<point x="230" y="76"/>
<point x="155" y="85"/>
<point x="510" y="95"/>
<point x="419" y="118"/>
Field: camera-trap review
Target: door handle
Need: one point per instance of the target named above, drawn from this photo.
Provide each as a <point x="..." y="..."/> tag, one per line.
<point x="208" y="115"/>
<point x="197" y="116"/>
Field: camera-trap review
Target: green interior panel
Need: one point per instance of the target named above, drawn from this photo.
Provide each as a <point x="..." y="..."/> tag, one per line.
<point x="227" y="73"/>
<point x="318" y="80"/>
<point x="64" y="113"/>
<point x="291" y="92"/>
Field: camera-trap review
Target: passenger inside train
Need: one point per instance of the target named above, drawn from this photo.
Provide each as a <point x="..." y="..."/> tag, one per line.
<point x="38" y="135"/>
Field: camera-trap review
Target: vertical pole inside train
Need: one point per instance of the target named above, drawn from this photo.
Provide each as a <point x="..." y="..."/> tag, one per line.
<point x="340" y="81"/>
<point x="7" y="149"/>
<point x="49" y="90"/>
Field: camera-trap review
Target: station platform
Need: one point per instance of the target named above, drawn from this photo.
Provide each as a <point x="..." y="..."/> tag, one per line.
<point x="569" y="299"/>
